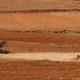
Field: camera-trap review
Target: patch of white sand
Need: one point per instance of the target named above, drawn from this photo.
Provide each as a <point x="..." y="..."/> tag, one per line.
<point x="41" y="56"/>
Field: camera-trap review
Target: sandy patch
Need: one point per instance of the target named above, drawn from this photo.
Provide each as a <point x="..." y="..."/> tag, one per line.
<point x="41" y="56"/>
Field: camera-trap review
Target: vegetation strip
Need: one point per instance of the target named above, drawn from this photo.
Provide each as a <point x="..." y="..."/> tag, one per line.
<point x="40" y="11"/>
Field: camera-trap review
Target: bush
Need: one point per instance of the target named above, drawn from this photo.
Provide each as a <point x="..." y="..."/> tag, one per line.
<point x="2" y="45"/>
<point x="4" y="51"/>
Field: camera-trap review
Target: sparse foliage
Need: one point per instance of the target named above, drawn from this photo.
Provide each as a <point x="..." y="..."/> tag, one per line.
<point x="2" y="45"/>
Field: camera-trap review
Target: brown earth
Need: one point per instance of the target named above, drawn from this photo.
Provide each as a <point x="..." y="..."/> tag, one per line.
<point x="33" y="47"/>
<point x="22" y="26"/>
<point x="40" y="42"/>
<point x="38" y="4"/>
<point x="40" y="21"/>
<point x="39" y="70"/>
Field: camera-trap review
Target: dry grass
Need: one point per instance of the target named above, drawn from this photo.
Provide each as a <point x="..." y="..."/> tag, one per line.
<point x="39" y="70"/>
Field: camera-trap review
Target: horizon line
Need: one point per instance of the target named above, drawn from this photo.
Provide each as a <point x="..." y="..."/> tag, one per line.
<point x="40" y="10"/>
